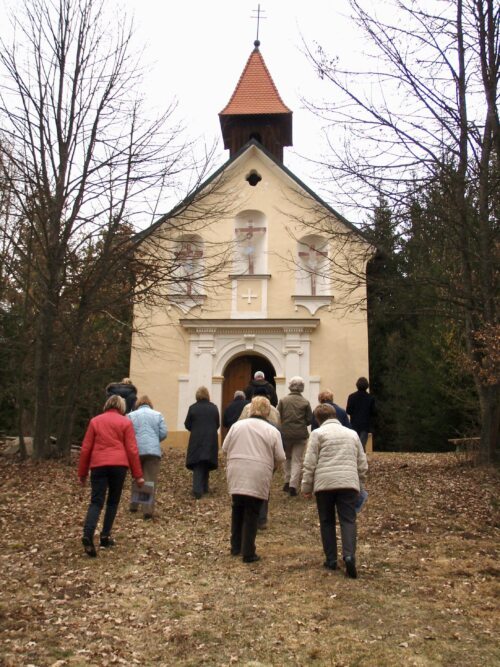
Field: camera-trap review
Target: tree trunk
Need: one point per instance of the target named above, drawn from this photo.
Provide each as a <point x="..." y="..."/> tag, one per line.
<point x="67" y="420"/>
<point x="489" y="400"/>
<point x="20" y="414"/>
<point x="43" y="359"/>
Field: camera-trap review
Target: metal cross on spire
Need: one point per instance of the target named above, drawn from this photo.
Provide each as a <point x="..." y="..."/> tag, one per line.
<point x="258" y="14"/>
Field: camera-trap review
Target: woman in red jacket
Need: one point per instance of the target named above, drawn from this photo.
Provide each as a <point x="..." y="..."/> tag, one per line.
<point x="108" y="449"/>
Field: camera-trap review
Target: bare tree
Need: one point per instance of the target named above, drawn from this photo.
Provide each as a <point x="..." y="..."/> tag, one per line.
<point x="82" y="161"/>
<point x="427" y="109"/>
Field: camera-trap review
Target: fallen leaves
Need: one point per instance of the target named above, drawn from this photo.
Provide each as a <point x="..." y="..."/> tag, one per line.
<point x="169" y="593"/>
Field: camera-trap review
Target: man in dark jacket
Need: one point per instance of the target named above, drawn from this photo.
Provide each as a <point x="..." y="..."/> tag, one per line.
<point x="234" y="409"/>
<point x="126" y="390"/>
<point x="259" y="380"/>
<point x="361" y="409"/>
<point x="326" y="397"/>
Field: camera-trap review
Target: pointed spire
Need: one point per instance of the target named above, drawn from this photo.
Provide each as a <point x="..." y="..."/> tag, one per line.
<point x="256" y="111"/>
<point x="255" y="92"/>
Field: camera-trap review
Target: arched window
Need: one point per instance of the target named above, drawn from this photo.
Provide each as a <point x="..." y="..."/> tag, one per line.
<point x="188" y="265"/>
<point x="312" y="266"/>
<point x="250" y="232"/>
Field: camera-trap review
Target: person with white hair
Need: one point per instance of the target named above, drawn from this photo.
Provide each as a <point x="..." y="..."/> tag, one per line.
<point x="296" y="415"/>
<point x="259" y="381"/>
<point x="233" y="411"/>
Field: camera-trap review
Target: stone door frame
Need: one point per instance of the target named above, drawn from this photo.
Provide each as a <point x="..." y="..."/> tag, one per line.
<point x="214" y="343"/>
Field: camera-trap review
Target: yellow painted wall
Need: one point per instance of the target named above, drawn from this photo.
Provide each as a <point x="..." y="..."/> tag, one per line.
<point x="339" y="348"/>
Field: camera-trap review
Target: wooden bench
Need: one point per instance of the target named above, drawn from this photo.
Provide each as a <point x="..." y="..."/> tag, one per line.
<point x="466" y="449"/>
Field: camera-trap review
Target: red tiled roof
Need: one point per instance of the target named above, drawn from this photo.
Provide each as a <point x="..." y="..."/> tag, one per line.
<point x="255" y="92"/>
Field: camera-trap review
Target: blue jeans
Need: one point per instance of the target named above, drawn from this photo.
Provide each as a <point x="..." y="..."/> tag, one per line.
<point x="102" y="479"/>
<point x="363" y="436"/>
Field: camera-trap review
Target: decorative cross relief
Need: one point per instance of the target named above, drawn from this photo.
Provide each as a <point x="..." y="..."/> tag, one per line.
<point x="191" y="257"/>
<point x="248" y="249"/>
<point x="312" y="262"/>
<point x="249" y="296"/>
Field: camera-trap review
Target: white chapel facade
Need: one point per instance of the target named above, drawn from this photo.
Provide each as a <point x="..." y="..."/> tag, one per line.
<point x="253" y="288"/>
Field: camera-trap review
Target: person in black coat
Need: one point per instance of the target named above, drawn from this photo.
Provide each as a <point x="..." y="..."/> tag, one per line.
<point x="326" y="396"/>
<point x="126" y="390"/>
<point x="361" y="409"/>
<point x="234" y="409"/>
<point x="203" y="422"/>
<point x="259" y="380"/>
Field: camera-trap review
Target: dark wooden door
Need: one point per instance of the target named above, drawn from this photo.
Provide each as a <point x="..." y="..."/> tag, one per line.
<point x="236" y="376"/>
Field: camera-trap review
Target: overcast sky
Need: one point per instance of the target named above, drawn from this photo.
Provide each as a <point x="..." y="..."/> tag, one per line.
<point x="196" y="50"/>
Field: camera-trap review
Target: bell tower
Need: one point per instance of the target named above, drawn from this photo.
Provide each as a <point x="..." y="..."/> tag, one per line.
<point x="256" y="111"/>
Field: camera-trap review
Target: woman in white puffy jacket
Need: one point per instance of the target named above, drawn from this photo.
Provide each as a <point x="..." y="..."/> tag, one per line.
<point x="150" y="429"/>
<point x="335" y="468"/>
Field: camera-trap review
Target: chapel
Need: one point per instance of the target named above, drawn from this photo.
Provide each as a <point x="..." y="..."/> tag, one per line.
<point x="255" y="254"/>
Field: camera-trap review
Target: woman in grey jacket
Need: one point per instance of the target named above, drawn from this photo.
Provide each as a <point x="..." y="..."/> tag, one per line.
<point x="150" y="429"/>
<point x="334" y="468"/>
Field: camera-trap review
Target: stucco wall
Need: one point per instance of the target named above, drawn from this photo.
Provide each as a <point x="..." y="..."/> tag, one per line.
<point x="165" y="360"/>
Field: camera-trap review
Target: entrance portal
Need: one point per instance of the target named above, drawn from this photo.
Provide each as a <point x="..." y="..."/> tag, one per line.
<point x="238" y="374"/>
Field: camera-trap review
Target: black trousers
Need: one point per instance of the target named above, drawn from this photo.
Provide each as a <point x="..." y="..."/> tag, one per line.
<point x="102" y="479"/>
<point x="264" y="509"/>
<point x="344" y="502"/>
<point x="244" y="519"/>
<point x="201" y="473"/>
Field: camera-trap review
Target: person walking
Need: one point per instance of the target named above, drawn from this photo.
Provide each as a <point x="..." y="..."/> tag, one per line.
<point x="274" y="415"/>
<point x="326" y="396"/>
<point x="109" y="449"/>
<point x="259" y="380"/>
<point x="295" y="415"/>
<point x="150" y="429"/>
<point x="253" y="451"/>
<point x="234" y="409"/>
<point x="335" y="467"/>
<point x="126" y="389"/>
<point x="361" y="409"/>
<point x="274" y="419"/>
<point x="203" y="422"/>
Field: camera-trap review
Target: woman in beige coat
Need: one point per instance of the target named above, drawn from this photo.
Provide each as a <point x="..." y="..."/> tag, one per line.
<point x="334" y="468"/>
<point x="253" y="451"/>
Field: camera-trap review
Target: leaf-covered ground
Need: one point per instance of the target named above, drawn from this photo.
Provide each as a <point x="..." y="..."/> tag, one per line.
<point x="170" y="593"/>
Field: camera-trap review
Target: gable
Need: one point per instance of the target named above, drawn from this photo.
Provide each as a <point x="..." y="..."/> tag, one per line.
<point x="232" y="174"/>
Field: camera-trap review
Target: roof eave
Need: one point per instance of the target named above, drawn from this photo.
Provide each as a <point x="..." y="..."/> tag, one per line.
<point x="185" y="202"/>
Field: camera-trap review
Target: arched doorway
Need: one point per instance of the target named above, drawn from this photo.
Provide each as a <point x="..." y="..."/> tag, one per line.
<point x="238" y="374"/>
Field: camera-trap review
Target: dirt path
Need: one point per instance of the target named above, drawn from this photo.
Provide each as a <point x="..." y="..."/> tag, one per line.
<point x="169" y="593"/>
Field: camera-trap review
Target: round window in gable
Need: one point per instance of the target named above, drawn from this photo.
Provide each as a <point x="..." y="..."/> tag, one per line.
<point x="253" y="178"/>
